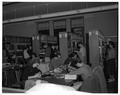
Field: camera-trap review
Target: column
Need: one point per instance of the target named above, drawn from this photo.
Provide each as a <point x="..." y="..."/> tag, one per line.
<point x="51" y="28"/>
<point x="68" y="25"/>
<point x="36" y="40"/>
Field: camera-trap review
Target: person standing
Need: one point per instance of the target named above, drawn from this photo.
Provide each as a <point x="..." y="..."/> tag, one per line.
<point x="54" y="51"/>
<point x="111" y="61"/>
<point x="47" y="50"/>
<point x="90" y="81"/>
<point x="81" y="52"/>
<point x="56" y="62"/>
<point x="30" y="51"/>
<point x="26" y="55"/>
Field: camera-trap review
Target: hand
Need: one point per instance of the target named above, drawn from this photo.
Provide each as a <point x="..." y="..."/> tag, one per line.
<point x="38" y="75"/>
<point x="77" y="85"/>
<point x="71" y="68"/>
<point x="35" y="65"/>
<point x="46" y="73"/>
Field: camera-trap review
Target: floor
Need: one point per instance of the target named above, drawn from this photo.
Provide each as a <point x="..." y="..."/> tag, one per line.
<point x="112" y="87"/>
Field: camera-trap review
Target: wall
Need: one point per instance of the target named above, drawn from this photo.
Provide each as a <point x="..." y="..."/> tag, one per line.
<point x="26" y="29"/>
<point x="18" y="10"/>
<point x="106" y="22"/>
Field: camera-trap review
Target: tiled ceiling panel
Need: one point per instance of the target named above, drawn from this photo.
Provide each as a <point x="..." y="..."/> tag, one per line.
<point x="58" y="7"/>
<point x="40" y="9"/>
<point x="10" y="14"/>
<point x="95" y="4"/>
<point x="78" y="5"/>
<point x="24" y="9"/>
<point x="24" y="12"/>
<point x="4" y="15"/>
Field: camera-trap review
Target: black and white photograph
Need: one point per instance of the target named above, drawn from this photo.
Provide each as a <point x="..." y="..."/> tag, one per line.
<point x="56" y="47"/>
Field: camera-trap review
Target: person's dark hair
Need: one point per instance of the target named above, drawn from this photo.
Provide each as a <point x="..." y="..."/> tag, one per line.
<point x="70" y="55"/>
<point x="55" y="55"/>
<point x="74" y="54"/>
<point x="34" y="54"/>
<point x="78" y="44"/>
<point x="112" y="43"/>
<point x="26" y="47"/>
<point x="58" y="54"/>
<point x="74" y="64"/>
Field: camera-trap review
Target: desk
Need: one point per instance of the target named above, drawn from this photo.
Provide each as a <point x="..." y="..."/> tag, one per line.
<point x="57" y="81"/>
<point x="50" y="79"/>
<point x="11" y="90"/>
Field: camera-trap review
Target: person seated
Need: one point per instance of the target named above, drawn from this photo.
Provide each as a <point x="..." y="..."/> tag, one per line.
<point x="26" y="55"/>
<point x="30" y="70"/>
<point x="44" y="66"/>
<point x="56" y="62"/>
<point x="34" y="73"/>
<point x="69" y="59"/>
<point x="81" y="51"/>
<point x="90" y="81"/>
<point x="73" y="58"/>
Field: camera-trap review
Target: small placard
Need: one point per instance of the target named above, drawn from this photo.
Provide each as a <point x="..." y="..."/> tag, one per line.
<point x="71" y="77"/>
<point x="60" y="35"/>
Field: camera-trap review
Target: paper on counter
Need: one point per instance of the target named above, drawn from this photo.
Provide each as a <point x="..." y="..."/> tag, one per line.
<point x="71" y="77"/>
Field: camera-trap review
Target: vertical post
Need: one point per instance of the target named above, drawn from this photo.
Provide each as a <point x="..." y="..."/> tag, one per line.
<point x="36" y="40"/>
<point x="63" y="44"/>
<point x="51" y="28"/>
<point x="68" y="30"/>
<point x="63" y="40"/>
<point x="33" y="43"/>
<point x="68" y="25"/>
<point x="85" y="31"/>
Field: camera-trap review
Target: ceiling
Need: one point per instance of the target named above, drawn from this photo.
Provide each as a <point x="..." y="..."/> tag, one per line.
<point x="13" y="10"/>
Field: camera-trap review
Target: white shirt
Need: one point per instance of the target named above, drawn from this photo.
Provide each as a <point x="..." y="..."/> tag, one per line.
<point x="26" y="55"/>
<point x="82" y="51"/>
<point x="82" y="54"/>
<point x="43" y="67"/>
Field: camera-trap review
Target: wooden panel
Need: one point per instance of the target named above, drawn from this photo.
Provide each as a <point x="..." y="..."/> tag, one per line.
<point x="59" y="24"/>
<point x="77" y="22"/>
<point x="43" y="26"/>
